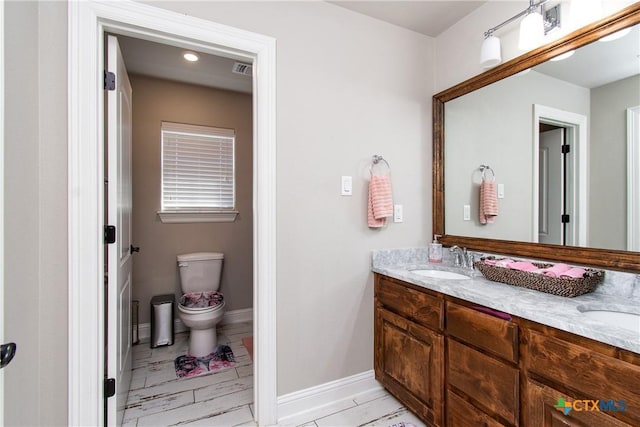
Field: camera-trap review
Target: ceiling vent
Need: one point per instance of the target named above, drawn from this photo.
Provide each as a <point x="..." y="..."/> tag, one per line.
<point x="240" y="68"/>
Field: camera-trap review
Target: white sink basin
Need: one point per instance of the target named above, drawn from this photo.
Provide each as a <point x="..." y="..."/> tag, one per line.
<point x="439" y="274"/>
<point x="630" y="321"/>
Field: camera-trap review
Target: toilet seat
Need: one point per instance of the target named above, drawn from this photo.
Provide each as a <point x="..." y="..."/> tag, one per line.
<point x="198" y="302"/>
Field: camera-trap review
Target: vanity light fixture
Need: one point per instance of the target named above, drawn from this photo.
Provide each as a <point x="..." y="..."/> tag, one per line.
<point x="615" y="36"/>
<point x="563" y="56"/>
<point x="536" y="23"/>
<point x="190" y="56"/>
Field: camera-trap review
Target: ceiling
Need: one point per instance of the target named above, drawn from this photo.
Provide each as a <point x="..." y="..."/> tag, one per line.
<point x="162" y="61"/>
<point x="426" y="17"/>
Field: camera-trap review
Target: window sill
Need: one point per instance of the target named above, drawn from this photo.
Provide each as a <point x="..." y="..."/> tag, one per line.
<point x="176" y="217"/>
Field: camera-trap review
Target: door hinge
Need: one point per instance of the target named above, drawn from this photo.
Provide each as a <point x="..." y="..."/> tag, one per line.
<point x="566" y="148"/>
<point x="109" y="234"/>
<point x="109" y="80"/>
<point x="565" y="218"/>
<point x="109" y="387"/>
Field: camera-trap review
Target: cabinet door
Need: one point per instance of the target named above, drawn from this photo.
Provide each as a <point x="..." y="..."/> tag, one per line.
<point x="545" y="409"/>
<point x="461" y="413"/>
<point x="409" y="363"/>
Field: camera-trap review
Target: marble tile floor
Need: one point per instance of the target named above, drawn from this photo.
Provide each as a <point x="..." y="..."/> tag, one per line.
<point x="225" y="398"/>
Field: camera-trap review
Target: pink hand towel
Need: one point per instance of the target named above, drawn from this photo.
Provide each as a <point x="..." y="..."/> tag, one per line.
<point x="504" y="262"/>
<point x="488" y="202"/>
<point x="380" y="205"/>
<point x="555" y="270"/>
<point x="523" y="266"/>
<point x="574" y="273"/>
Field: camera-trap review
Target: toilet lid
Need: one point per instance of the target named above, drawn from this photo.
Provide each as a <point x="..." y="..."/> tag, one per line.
<point x="195" y="300"/>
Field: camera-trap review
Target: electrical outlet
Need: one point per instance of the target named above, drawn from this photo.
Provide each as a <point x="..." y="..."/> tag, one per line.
<point x="397" y="213"/>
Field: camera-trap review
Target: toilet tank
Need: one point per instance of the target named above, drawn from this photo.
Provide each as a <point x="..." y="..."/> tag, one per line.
<point x="200" y="271"/>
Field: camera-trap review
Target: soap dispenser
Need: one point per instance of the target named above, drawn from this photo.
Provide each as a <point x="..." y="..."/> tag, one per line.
<point x="435" y="250"/>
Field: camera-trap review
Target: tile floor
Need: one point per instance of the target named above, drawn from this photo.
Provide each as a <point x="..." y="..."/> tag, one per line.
<point x="225" y="398"/>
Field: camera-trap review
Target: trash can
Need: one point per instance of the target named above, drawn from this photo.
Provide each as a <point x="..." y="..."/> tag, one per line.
<point x="162" y="332"/>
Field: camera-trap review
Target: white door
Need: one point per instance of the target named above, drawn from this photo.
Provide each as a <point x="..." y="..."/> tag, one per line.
<point x="551" y="188"/>
<point x="119" y="205"/>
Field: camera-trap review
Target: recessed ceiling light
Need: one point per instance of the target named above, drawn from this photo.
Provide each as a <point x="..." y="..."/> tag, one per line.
<point x="190" y="56"/>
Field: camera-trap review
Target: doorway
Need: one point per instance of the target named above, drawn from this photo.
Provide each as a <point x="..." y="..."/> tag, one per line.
<point x="88" y="22"/>
<point x="559" y="177"/>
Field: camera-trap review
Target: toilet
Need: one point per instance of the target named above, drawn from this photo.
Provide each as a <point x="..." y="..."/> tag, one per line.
<point x="201" y="306"/>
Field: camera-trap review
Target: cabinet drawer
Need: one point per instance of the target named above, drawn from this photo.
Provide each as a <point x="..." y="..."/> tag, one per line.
<point x="417" y="306"/>
<point x="591" y="374"/>
<point x="489" y="382"/>
<point x="543" y="410"/>
<point x="495" y="335"/>
<point x="461" y="413"/>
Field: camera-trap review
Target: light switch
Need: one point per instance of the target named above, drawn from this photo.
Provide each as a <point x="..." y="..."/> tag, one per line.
<point x="397" y="213"/>
<point x="466" y="215"/>
<point x="500" y="191"/>
<point x="347" y="186"/>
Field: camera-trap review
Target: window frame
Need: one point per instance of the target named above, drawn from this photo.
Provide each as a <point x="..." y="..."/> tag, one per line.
<point x="196" y="214"/>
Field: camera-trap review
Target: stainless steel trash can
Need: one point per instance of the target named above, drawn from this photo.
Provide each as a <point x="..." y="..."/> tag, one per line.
<point x="162" y="332"/>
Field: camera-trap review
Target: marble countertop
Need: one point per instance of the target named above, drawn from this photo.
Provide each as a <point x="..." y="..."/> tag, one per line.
<point x="559" y="312"/>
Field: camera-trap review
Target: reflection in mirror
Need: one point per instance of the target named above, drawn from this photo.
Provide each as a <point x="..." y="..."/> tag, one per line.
<point x="558" y="138"/>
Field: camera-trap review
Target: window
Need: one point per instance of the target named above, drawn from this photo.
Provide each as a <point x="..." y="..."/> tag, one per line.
<point x="198" y="173"/>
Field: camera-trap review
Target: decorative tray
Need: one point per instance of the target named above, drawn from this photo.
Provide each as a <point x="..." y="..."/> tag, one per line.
<point x="565" y="287"/>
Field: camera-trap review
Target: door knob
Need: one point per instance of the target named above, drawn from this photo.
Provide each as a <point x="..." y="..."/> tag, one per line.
<point x="133" y="249"/>
<point x="7" y="351"/>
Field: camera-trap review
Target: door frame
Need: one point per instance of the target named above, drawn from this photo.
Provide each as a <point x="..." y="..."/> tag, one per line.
<point x="633" y="178"/>
<point x="2" y="299"/>
<point x="577" y="137"/>
<point x="88" y="21"/>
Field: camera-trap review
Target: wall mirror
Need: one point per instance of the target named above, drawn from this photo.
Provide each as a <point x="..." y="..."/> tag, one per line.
<point x="512" y="118"/>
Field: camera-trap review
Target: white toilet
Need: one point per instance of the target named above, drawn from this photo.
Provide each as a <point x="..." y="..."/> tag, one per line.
<point x="201" y="306"/>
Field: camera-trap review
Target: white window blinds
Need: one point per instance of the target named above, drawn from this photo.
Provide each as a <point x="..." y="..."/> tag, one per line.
<point x="197" y="168"/>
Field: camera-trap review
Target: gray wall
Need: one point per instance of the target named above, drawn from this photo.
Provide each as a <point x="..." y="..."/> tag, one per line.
<point x="348" y="87"/>
<point x="608" y="162"/>
<point x="155" y="268"/>
<point x="35" y="231"/>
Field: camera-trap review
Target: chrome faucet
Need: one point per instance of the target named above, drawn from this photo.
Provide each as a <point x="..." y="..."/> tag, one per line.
<point x="463" y="258"/>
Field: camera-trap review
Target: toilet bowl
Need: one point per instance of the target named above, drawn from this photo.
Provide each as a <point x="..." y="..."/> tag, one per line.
<point x="201" y="306"/>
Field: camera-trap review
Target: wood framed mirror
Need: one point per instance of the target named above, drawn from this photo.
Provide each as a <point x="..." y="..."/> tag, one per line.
<point x="605" y="258"/>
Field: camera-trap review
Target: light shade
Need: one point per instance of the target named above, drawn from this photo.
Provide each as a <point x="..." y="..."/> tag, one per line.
<point x="531" y="31"/>
<point x="490" y="53"/>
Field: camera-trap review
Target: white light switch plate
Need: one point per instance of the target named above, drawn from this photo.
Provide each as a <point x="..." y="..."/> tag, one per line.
<point x="347" y="186"/>
<point x="500" y="191"/>
<point x="466" y="216"/>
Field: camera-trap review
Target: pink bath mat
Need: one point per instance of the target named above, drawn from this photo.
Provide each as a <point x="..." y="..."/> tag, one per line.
<point x="191" y="366"/>
<point x="248" y="343"/>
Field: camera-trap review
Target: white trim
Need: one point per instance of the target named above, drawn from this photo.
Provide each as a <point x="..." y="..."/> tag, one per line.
<point x="633" y="179"/>
<point x="88" y="20"/>
<point x="168" y="217"/>
<point x="578" y="124"/>
<point x="297" y="403"/>
<point x="230" y="317"/>
<point x="2" y="159"/>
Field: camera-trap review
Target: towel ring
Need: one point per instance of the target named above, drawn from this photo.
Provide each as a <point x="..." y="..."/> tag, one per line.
<point x="484" y="169"/>
<point x="376" y="160"/>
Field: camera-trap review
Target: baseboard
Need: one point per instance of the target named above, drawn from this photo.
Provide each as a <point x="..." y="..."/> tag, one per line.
<point x="234" y="316"/>
<point x="307" y="400"/>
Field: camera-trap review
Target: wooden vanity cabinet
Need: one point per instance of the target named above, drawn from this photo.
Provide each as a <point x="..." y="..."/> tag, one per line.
<point x="603" y="380"/>
<point x="409" y="347"/>
<point x="482" y="368"/>
<point x="453" y="364"/>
